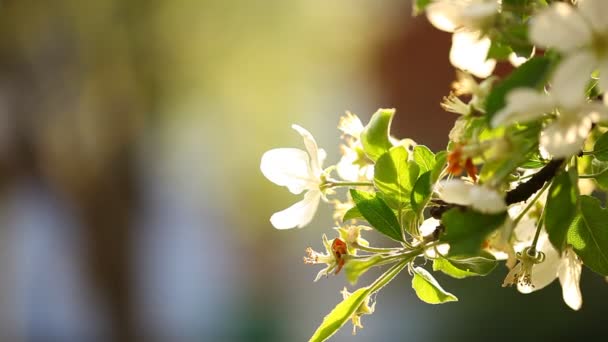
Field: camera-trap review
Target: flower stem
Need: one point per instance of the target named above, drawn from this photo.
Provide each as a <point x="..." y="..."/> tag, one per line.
<point x="529" y="206"/>
<point x="539" y="226"/>
<point x="377" y="249"/>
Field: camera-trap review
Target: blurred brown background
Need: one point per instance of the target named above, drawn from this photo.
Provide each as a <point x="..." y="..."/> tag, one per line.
<point x="132" y="206"/>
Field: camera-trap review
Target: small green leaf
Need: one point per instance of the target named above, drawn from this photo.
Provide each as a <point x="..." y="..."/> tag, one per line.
<point x="355" y="268"/>
<point x="340" y="315"/>
<point x="422" y="192"/>
<point x="588" y="235"/>
<point x="424" y="157"/>
<point x="600" y="149"/>
<point x="375" y="136"/>
<point x="531" y="74"/>
<point x="561" y="207"/>
<point x="352" y="214"/>
<point x="420" y="6"/>
<point x="465" y="230"/>
<point x="395" y="177"/>
<point x="498" y="50"/>
<point x="466" y="266"/>
<point x="428" y="289"/>
<point x="377" y="213"/>
<point x="440" y="161"/>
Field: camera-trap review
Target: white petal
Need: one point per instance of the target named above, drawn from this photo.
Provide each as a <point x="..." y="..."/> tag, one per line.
<point x="565" y="137"/>
<point x="570" y="78"/>
<point x="487" y="200"/>
<point x="544" y="273"/>
<point x="455" y="191"/>
<point x="595" y="11"/>
<point x="428" y="226"/>
<point x="316" y="156"/>
<point x="569" y="272"/>
<point x="346" y="168"/>
<point x="523" y="104"/>
<point x="469" y="53"/>
<point x="444" y="15"/>
<point x="288" y="167"/>
<point x="299" y="214"/>
<point x="560" y="27"/>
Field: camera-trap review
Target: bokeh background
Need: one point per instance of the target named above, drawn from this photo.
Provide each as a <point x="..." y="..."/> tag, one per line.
<point x="132" y="207"/>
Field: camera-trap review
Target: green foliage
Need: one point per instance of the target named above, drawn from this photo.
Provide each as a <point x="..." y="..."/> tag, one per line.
<point x="531" y="74"/>
<point x="428" y="289"/>
<point x="375" y="136"/>
<point x="422" y="192"/>
<point x="561" y="208"/>
<point x="395" y="176"/>
<point x="419" y="6"/>
<point x="588" y="235"/>
<point x="355" y="268"/>
<point x="440" y="162"/>
<point x="352" y="214"/>
<point x="377" y="213"/>
<point x="424" y="158"/>
<point x="465" y="230"/>
<point x="600" y="149"/>
<point x="466" y="266"/>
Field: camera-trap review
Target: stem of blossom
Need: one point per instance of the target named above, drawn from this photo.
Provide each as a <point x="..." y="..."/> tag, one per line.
<point x="587" y="153"/>
<point x="376" y="249"/>
<point x="330" y="183"/>
<point x="592" y="175"/>
<point x="539" y="226"/>
<point x="530" y="205"/>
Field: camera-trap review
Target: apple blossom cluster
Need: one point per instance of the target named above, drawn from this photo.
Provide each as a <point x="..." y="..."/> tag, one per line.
<point x="520" y="181"/>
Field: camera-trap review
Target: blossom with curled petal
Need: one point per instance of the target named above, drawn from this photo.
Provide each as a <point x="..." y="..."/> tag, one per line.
<point x="581" y="36"/>
<point x="299" y="171"/>
<point x="354" y="165"/>
<point x="479" y="197"/>
<point x="564" y="136"/>
<point x="466" y="18"/>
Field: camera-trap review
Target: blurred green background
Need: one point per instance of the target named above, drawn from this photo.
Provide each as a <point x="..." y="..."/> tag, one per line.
<point x="133" y="208"/>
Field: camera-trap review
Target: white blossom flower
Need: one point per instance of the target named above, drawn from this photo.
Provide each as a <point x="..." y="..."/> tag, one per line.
<point x="480" y="198"/>
<point x="466" y="18"/>
<point x="581" y="35"/>
<point x="566" y="267"/>
<point x="354" y="165"/>
<point x="564" y="136"/>
<point x="298" y="171"/>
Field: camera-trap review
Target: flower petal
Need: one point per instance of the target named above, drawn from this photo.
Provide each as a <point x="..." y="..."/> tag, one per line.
<point x="469" y="53"/>
<point x="523" y="104"/>
<point x="595" y="11"/>
<point x="570" y="78"/>
<point x="288" y="167"/>
<point x="569" y="273"/>
<point x="455" y="191"/>
<point x="444" y="15"/>
<point x="316" y="156"/>
<point x="565" y="137"/>
<point x="299" y="214"/>
<point x="487" y="200"/>
<point x="560" y="27"/>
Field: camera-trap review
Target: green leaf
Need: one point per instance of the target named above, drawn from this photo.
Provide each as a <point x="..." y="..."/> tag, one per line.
<point x="561" y="207"/>
<point x="395" y="177"/>
<point x="465" y="230"/>
<point x="531" y="74"/>
<point x="498" y="50"/>
<point x="428" y="289"/>
<point x="377" y="213"/>
<point x="352" y="214"/>
<point x="422" y="192"/>
<point x="420" y="6"/>
<point x="600" y="149"/>
<point x="375" y="136"/>
<point x="424" y="157"/>
<point x="355" y="268"/>
<point x="349" y="306"/>
<point x="440" y="161"/>
<point x="466" y="266"/>
<point x="588" y="235"/>
<point x="340" y="315"/>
